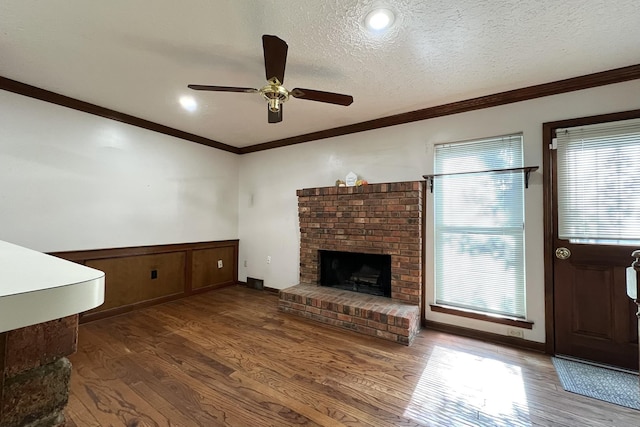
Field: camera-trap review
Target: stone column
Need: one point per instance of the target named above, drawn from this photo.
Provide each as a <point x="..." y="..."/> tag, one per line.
<point x="35" y="373"/>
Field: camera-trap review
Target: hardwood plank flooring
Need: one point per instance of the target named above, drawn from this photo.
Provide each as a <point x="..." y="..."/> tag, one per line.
<point x="229" y="358"/>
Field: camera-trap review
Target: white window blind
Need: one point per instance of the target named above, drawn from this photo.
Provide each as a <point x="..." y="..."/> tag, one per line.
<point x="598" y="176"/>
<point x="479" y="226"/>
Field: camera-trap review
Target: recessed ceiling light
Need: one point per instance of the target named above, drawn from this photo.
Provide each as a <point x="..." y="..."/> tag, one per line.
<point x="188" y="103"/>
<point x="379" y="19"/>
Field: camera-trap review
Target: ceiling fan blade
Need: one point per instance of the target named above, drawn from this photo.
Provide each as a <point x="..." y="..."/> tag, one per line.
<point x="223" y="88"/>
<point x="320" y="96"/>
<point x="275" y="57"/>
<point x="275" y="117"/>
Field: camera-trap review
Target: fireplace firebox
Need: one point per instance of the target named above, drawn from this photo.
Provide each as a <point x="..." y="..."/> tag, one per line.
<point x="358" y="272"/>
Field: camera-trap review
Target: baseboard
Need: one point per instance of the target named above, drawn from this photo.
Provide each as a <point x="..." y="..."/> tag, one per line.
<point x="486" y="336"/>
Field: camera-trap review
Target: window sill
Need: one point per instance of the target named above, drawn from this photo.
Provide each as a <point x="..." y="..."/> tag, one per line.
<point x="493" y="318"/>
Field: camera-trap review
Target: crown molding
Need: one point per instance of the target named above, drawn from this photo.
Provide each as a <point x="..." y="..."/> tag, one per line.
<point x="603" y="78"/>
<point x="75" y="104"/>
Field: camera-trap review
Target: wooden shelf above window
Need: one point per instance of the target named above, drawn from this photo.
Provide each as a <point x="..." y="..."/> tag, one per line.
<point x="526" y="170"/>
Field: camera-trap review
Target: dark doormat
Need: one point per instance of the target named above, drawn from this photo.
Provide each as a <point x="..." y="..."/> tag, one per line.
<point x="621" y="388"/>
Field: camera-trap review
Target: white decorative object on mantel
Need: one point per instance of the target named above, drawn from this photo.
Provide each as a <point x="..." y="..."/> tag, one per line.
<point x="351" y="179"/>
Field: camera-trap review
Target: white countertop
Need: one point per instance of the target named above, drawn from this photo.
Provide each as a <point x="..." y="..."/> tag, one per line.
<point x="36" y="287"/>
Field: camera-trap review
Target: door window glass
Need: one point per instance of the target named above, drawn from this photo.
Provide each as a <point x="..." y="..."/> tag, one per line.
<point x="598" y="183"/>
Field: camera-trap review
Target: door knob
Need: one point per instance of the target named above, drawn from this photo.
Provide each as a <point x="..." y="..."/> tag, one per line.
<point x="563" y="253"/>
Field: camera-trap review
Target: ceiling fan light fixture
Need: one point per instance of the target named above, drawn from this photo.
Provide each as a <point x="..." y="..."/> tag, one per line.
<point x="274" y="105"/>
<point x="379" y="19"/>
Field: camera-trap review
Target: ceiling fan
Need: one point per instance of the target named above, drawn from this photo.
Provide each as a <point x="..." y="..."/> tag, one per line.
<point x="275" y="59"/>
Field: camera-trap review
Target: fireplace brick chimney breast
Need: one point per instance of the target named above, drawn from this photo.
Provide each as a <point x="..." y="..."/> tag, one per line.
<point x="372" y="219"/>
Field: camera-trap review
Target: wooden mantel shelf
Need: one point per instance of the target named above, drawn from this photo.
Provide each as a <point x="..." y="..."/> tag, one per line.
<point x="526" y="170"/>
<point x="36" y="287"/>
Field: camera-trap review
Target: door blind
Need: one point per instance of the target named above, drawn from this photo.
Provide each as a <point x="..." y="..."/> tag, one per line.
<point x="598" y="175"/>
<point x="479" y="226"/>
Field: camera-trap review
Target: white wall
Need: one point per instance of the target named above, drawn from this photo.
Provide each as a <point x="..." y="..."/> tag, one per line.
<point x="269" y="180"/>
<point x="70" y="181"/>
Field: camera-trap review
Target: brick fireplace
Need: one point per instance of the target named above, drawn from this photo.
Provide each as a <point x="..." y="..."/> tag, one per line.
<point x="372" y="219"/>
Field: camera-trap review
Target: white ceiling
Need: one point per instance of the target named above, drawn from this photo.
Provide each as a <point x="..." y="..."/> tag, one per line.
<point x="137" y="57"/>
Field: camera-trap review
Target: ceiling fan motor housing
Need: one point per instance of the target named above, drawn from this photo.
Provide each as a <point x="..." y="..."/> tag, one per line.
<point x="275" y="94"/>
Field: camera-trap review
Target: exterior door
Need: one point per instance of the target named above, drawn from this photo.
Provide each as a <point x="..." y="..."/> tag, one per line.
<point x="593" y="319"/>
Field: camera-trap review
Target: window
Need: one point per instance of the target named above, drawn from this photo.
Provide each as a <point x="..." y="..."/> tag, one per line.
<point x="479" y="227"/>
<point x="598" y="176"/>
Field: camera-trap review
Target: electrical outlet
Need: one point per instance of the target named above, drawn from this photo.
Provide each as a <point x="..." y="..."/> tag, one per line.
<point x="517" y="333"/>
<point x="269" y="260"/>
<point x="219" y="263"/>
<point x="245" y="262"/>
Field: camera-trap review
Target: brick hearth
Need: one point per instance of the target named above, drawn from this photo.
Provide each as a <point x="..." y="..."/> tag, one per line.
<point x="374" y="219"/>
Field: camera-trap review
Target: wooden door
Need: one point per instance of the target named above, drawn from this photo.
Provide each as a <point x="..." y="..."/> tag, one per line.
<point x="632" y="287"/>
<point x="594" y="318"/>
<point x="589" y="315"/>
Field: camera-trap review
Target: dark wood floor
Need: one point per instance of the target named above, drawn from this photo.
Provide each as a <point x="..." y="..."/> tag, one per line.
<point x="228" y="358"/>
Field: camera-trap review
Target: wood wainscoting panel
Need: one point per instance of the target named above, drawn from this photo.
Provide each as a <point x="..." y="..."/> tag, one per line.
<point x="142" y="276"/>
<point x="205" y="271"/>
<point x="131" y="280"/>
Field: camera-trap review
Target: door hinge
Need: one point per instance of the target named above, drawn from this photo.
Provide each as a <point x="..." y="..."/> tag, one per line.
<point x="554" y="144"/>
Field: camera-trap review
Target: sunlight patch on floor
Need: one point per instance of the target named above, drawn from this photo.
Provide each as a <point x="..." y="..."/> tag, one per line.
<point x="456" y="387"/>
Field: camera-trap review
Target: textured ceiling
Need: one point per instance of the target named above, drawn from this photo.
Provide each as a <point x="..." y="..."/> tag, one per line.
<point x="137" y="57"/>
